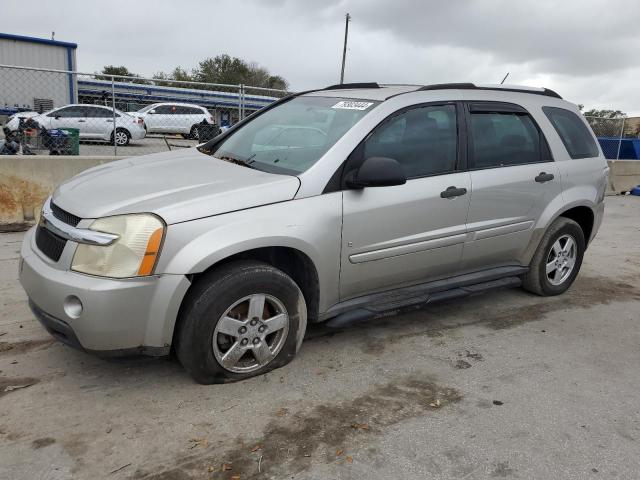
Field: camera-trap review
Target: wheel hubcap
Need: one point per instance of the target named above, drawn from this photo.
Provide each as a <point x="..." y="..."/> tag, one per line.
<point x="121" y="138"/>
<point x="251" y="333"/>
<point x="561" y="259"/>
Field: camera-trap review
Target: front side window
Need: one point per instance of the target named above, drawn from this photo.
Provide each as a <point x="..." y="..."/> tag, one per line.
<point x="166" y="110"/>
<point x="291" y="137"/>
<point x="573" y="132"/>
<point x="500" y="139"/>
<point x="68" y="112"/>
<point x="423" y="140"/>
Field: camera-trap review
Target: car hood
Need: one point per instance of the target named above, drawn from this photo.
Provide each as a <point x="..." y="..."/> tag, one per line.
<point x="177" y="186"/>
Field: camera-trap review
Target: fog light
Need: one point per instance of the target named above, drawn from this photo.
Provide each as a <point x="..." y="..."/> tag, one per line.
<point x="72" y="306"/>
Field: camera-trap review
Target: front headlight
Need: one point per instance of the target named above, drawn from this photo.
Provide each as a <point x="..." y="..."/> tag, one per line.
<point x="134" y="254"/>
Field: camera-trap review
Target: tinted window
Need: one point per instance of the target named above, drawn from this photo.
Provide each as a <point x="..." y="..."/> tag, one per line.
<point x="166" y="109"/>
<point x="504" y="138"/>
<point x="424" y="140"/>
<point x="97" y="112"/>
<point x="68" y="112"/>
<point x="573" y="132"/>
<point x="189" y="111"/>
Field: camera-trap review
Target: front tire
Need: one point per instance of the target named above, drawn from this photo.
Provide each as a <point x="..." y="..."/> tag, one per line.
<point x="557" y="260"/>
<point x="240" y="320"/>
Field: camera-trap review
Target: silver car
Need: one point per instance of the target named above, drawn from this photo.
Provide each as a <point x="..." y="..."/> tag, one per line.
<point x="407" y="195"/>
<point x="94" y="122"/>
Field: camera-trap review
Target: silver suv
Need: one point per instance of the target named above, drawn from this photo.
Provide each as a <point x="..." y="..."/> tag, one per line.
<point x="381" y="198"/>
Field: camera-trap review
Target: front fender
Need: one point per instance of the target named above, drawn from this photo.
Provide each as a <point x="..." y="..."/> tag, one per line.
<point x="311" y="225"/>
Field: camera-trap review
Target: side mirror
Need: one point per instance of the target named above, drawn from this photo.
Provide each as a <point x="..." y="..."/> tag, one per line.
<point x="377" y="172"/>
<point x="151" y="112"/>
<point x="56" y="117"/>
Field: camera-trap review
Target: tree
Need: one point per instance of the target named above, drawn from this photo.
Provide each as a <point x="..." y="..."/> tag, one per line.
<point x="219" y="69"/>
<point x="178" y="73"/>
<point x="605" y="113"/>
<point x="122" y="71"/>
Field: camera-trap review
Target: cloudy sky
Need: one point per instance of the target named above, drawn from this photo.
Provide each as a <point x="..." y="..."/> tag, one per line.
<point x="587" y="50"/>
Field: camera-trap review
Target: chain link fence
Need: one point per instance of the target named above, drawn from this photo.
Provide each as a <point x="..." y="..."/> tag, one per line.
<point x="44" y="111"/>
<point x="610" y="132"/>
<point x="619" y="138"/>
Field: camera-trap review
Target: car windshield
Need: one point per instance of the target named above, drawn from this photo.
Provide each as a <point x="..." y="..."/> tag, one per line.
<point x="145" y="109"/>
<point x="291" y="137"/>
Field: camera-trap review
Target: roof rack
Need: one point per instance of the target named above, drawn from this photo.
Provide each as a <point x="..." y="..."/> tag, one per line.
<point x="470" y="86"/>
<point x="349" y="86"/>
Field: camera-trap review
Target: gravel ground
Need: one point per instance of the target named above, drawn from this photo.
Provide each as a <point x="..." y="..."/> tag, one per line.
<point x="503" y="385"/>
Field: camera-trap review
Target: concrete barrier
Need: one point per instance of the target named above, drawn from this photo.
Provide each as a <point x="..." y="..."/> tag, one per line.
<point x="624" y="175"/>
<point x="26" y="182"/>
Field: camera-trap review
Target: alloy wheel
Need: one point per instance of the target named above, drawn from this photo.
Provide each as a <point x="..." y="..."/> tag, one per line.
<point x="561" y="259"/>
<point x="250" y="333"/>
<point x="121" y="138"/>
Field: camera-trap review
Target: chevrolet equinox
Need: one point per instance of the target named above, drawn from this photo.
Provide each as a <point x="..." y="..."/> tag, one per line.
<point x="332" y="205"/>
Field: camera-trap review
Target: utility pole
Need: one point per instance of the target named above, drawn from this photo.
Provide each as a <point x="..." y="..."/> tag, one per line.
<point x="344" y="50"/>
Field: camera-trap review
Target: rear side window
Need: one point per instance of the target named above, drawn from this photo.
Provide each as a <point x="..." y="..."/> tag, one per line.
<point x="573" y="132"/>
<point x="193" y="111"/>
<point x="423" y="140"/>
<point x="500" y="139"/>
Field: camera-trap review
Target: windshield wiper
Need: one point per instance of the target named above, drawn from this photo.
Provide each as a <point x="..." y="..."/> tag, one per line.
<point x="245" y="163"/>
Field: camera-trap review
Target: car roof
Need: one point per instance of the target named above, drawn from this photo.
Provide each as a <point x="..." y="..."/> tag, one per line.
<point x="180" y="104"/>
<point x="379" y="93"/>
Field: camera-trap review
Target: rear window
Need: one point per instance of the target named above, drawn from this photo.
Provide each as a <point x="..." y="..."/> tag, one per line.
<point x="573" y="132"/>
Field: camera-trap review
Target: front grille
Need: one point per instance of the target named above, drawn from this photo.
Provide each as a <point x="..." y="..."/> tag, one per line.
<point x="49" y="243"/>
<point x="64" y="216"/>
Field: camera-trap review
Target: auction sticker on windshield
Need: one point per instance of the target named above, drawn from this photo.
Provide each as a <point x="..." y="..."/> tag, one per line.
<point x="352" y="105"/>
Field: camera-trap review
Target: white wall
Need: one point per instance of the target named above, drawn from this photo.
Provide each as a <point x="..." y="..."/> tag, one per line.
<point x="20" y="87"/>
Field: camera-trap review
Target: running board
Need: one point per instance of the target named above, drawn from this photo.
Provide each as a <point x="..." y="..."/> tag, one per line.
<point x="418" y="296"/>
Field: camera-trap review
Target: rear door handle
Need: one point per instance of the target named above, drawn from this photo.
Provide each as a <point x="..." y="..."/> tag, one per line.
<point x="544" y="177"/>
<point x="81" y="121"/>
<point x="452" y="192"/>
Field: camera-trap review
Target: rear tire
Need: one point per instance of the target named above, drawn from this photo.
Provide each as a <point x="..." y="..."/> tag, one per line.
<point x="242" y="319"/>
<point x="193" y="133"/>
<point x="122" y="137"/>
<point x="557" y="260"/>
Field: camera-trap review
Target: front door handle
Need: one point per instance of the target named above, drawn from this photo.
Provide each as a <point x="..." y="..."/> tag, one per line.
<point x="452" y="192"/>
<point x="81" y="121"/>
<point x="544" y="177"/>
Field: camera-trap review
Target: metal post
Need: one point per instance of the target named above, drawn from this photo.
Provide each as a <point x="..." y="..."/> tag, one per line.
<point x="113" y="107"/>
<point x="620" y="139"/>
<point x="239" y="102"/>
<point x="344" y="49"/>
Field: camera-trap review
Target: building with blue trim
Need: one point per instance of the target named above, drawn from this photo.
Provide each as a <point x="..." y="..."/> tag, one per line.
<point x="21" y="89"/>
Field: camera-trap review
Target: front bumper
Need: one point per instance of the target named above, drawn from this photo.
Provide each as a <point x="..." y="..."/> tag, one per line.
<point x="119" y="316"/>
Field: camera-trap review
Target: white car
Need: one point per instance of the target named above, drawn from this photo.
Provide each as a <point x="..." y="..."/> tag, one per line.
<point x="13" y="122"/>
<point x="95" y="122"/>
<point x="179" y="118"/>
